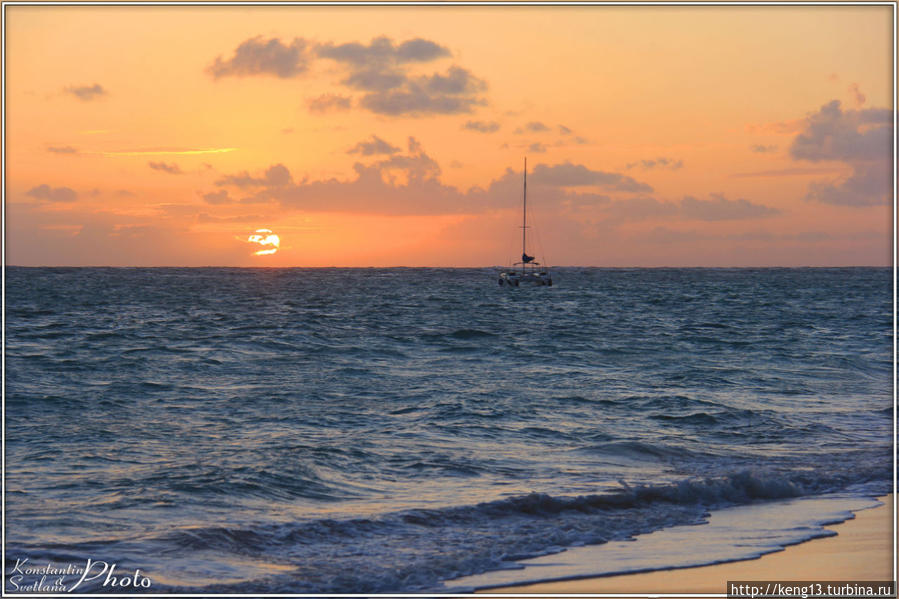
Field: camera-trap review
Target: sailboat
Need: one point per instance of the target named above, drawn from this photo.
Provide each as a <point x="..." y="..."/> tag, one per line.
<point x="531" y="272"/>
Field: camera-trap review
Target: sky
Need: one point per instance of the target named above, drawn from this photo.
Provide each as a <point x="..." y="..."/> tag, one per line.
<point x="396" y="135"/>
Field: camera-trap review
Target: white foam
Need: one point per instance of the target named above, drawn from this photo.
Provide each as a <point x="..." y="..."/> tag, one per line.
<point x="731" y="534"/>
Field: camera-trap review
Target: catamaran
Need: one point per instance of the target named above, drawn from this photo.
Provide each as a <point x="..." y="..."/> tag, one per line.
<point x="532" y="273"/>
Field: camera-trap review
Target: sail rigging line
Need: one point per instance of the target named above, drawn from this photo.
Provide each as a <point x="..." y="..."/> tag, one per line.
<point x="524" y="219"/>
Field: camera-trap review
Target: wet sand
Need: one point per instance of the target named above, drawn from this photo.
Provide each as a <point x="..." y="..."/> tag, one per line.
<point x="861" y="550"/>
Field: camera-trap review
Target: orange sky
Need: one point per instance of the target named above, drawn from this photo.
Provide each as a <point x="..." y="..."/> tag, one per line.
<point x="395" y="136"/>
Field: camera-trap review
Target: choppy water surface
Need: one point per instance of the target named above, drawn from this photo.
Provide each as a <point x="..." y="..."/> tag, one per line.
<point x="378" y="430"/>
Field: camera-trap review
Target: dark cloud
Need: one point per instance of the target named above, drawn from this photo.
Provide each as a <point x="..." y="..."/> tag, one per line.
<point x="832" y="134"/>
<point x="869" y="185"/>
<point x="532" y="127"/>
<point x="381" y="69"/>
<point x="720" y="208"/>
<point x="87" y="92"/>
<point x="381" y="52"/>
<point x="763" y="149"/>
<point x="380" y="66"/>
<point x="862" y="139"/>
<point x="669" y="163"/>
<point x="574" y="175"/>
<point x="172" y="169"/>
<point x="420" y="50"/>
<point x="276" y="176"/>
<point x="52" y="194"/>
<point x="62" y="150"/>
<point x="537" y="147"/>
<point x="453" y="93"/>
<point x="375" y="145"/>
<point x="217" y="197"/>
<point x="564" y="130"/>
<point x="481" y="126"/>
<point x="257" y="56"/>
<point x="329" y="103"/>
<point x="375" y="80"/>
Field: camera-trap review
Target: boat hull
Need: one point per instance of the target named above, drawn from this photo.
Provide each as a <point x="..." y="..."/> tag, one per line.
<point x="518" y="278"/>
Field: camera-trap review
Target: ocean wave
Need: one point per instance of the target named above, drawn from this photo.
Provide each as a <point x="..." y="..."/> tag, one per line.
<point x="396" y="551"/>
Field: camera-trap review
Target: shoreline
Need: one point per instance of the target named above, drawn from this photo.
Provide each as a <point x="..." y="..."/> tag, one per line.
<point x="861" y="549"/>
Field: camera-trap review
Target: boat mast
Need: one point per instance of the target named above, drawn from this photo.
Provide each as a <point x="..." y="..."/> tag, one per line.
<point x="524" y="214"/>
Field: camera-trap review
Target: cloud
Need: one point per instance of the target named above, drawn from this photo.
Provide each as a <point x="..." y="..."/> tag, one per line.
<point x="172" y="169"/>
<point x="720" y="208"/>
<point x="257" y="56"/>
<point x="481" y="126"/>
<point x="86" y="92"/>
<point x="52" y="194"/>
<point x="532" y="127"/>
<point x="375" y="80"/>
<point x="380" y="65"/>
<point x="62" y="150"/>
<point x="853" y="135"/>
<point x="573" y="175"/>
<point x="329" y="103"/>
<point x="374" y="146"/>
<point x="382" y="53"/>
<point x="381" y="70"/>
<point x="790" y="172"/>
<point x="276" y="176"/>
<point x="408" y="182"/>
<point x="217" y="197"/>
<point x="420" y="50"/>
<point x="857" y="95"/>
<point x="869" y="185"/>
<point x="453" y="93"/>
<point x="537" y="147"/>
<point x="669" y="163"/>
<point x="761" y="149"/>
<point x="862" y="139"/>
<point x="564" y="130"/>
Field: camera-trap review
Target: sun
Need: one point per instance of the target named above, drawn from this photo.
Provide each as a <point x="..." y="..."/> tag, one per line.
<point x="266" y="238"/>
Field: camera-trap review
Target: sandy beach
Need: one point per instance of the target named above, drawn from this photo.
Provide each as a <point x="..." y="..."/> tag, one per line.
<point x="861" y="550"/>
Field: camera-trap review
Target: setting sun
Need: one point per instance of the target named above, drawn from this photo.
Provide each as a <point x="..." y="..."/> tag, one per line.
<point x="394" y="135"/>
<point x="265" y="237"/>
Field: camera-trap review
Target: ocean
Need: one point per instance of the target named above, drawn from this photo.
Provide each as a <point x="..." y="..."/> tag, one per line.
<point x="421" y="430"/>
